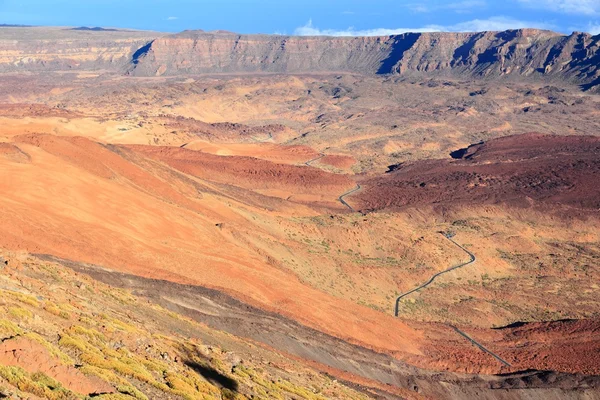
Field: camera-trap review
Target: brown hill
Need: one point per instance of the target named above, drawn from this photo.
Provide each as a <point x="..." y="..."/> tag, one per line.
<point x="523" y="170"/>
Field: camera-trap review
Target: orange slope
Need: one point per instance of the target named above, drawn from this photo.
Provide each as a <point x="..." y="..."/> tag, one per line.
<point x="116" y="207"/>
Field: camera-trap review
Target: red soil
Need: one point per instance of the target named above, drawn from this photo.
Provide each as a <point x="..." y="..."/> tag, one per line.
<point x="531" y="169"/>
<point x="116" y="207"/>
<point x="124" y="208"/>
<point x="249" y="172"/>
<point x="265" y="151"/>
<point x="33" y="357"/>
<point x="562" y="346"/>
<point x="337" y="161"/>
<point x="221" y="131"/>
<point x="567" y="346"/>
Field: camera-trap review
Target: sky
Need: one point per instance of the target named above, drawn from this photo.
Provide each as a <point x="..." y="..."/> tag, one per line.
<point x="309" y="17"/>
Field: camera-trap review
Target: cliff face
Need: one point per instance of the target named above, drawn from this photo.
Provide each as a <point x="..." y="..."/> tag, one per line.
<point x="192" y="52"/>
<point x="61" y="49"/>
<point x="516" y="53"/>
<point x="527" y="52"/>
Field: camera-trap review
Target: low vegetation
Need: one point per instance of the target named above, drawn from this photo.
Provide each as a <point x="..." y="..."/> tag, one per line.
<point x="138" y="349"/>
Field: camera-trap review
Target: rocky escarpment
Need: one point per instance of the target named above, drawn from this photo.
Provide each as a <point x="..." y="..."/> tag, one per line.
<point x="535" y="54"/>
<point x="61" y="49"/>
<point x="515" y="53"/>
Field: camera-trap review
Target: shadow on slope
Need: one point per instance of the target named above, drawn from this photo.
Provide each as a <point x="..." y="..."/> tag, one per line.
<point x="213" y="376"/>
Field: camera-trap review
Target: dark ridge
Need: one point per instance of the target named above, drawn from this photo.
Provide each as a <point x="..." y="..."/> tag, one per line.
<point x="553" y="54"/>
<point x="538" y="379"/>
<point x="401" y="44"/>
<point x="517" y="324"/>
<point x="462" y="53"/>
<point x="139" y="53"/>
<point x="15" y="26"/>
<point x="595" y="84"/>
<point x="95" y="29"/>
<point x="460" y="153"/>
<point x="394" y="167"/>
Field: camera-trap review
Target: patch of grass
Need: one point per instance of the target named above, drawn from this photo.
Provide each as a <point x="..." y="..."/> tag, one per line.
<point x="37" y="384"/>
<point x="190" y="387"/>
<point x="25" y="298"/>
<point x="72" y="343"/>
<point x="54" y="310"/>
<point x="9" y="329"/>
<point x="20" y="313"/>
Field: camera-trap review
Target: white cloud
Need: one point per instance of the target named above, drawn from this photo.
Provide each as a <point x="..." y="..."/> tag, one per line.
<point x="310" y="30"/>
<point x="593" y="28"/>
<point x="463" y="6"/>
<point x="497" y="24"/>
<point x="585" y="7"/>
<point x="172" y="18"/>
<point x="476" y="25"/>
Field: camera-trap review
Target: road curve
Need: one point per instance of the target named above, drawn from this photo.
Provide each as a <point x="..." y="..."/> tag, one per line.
<point x="321" y="155"/>
<point x="472" y="259"/>
<point x="430" y="281"/>
<point x="341" y="198"/>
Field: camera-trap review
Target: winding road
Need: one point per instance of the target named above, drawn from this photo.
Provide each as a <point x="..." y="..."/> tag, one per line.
<point x="348" y="193"/>
<point x="341" y="198"/>
<point x="472" y="259"/>
<point x="430" y="281"/>
<point x="321" y="155"/>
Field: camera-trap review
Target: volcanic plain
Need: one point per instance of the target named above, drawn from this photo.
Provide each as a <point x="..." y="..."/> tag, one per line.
<point x="215" y="200"/>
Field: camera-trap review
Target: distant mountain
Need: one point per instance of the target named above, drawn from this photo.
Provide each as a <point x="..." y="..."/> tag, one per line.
<point x="521" y="53"/>
<point x="513" y="54"/>
<point x="95" y="29"/>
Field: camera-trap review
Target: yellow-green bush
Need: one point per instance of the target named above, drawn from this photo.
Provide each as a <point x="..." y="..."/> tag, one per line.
<point x="8" y="329"/>
<point x="53" y="309"/>
<point x="37" y="384"/>
<point x="122" y="385"/>
<point x="23" y="298"/>
<point x="20" y="313"/>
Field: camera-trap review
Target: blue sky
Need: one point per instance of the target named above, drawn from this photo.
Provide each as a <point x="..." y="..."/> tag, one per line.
<point x="332" y="17"/>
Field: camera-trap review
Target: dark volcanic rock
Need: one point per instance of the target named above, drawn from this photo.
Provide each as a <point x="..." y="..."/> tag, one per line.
<point x="523" y="170"/>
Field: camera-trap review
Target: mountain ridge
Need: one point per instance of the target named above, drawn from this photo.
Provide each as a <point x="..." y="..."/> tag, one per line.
<point x="514" y="54"/>
<point x="572" y="59"/>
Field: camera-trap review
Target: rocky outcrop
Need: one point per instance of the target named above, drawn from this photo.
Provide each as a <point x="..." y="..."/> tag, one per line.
<point x="546" y="172"/>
